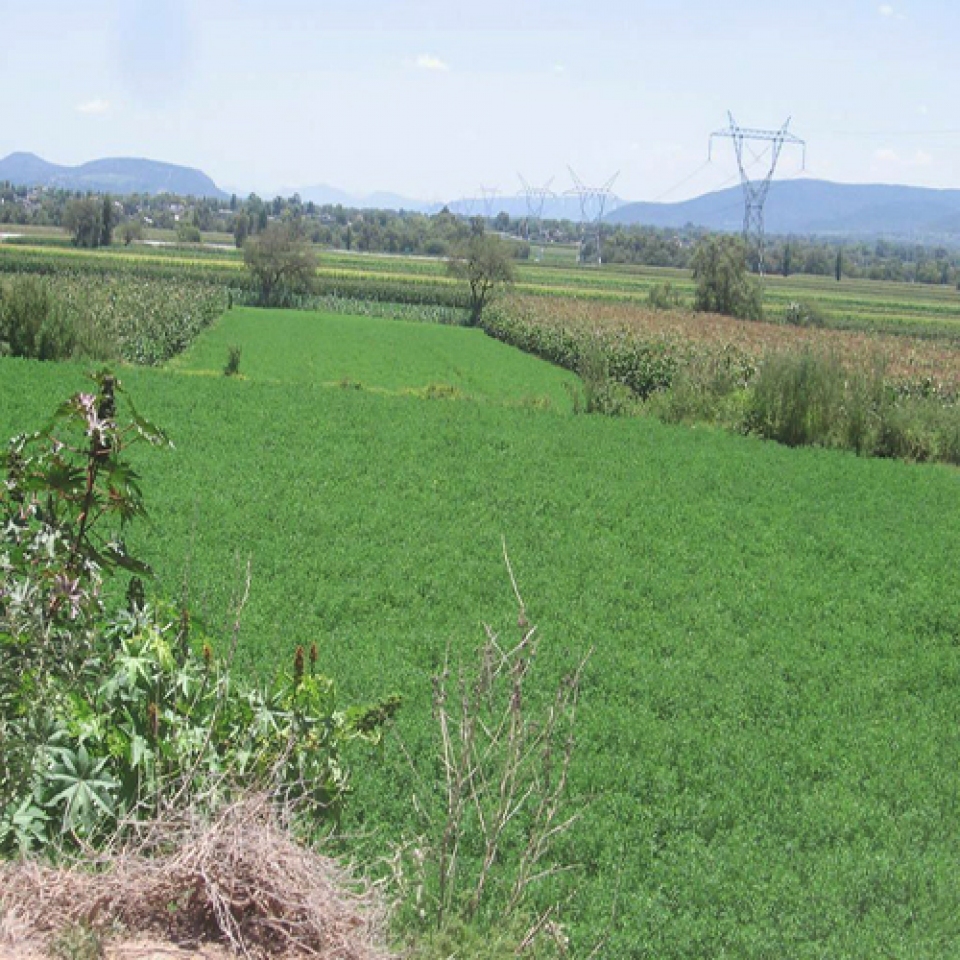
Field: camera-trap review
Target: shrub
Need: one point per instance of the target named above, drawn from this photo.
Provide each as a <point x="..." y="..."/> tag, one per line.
<point x="709" y="388"/>
<point x="723" y="285"/>
<point x="797" y="398"/>
<point x="30" y="324"/>
<point x="232" y="366"/>
<point x="804" y="314"/>
<point x="664" y="296"/>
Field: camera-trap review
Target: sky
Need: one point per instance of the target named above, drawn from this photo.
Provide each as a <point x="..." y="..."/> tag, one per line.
<point x="433" y="98"/>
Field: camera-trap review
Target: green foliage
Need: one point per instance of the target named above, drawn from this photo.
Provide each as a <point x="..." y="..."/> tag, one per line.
<point x="644" y="365"/>
<point x="232" y="366"/>
<point x="601" y="393"/>
<point x="811" y="398"/>
<point x="804" y="314"/>
<point x="79" y="941"/>
<point x="710" y="388"/>
<point x="68" y="494"/>
<point x="767" y="753"/>
<point x="281" y="264"/>
<point x="107" y="718"/>
<point x="188" y="233"/>
<point x="90" y="221"/>
<point x="387" y="355"/>
<point x="797" y="398"/>
<point x="120" y="317"/>
<point x="719" y="266"/>
<point x="31" y="325"/>
<point x="484" y="263"/>
<point x="664" y="296"/>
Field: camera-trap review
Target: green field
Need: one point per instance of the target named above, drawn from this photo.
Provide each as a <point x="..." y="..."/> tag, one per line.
<point x="373" y="353"/>
<point x="768" y="756"/>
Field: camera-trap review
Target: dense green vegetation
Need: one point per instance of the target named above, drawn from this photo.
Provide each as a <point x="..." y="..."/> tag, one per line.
<point x="767" y="751"/>
<point x="373" y="353"/>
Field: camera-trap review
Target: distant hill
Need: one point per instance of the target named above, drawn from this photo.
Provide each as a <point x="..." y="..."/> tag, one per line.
<point x="117" y="175"/>
<point x="322" y="194"/>
<point x="816" y="207"/>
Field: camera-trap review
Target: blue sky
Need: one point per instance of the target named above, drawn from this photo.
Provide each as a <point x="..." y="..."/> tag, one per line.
<point x="431" y="99"/>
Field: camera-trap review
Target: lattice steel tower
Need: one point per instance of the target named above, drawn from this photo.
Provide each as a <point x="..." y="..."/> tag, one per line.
<point x="593" y="202"/>
<point x="755" y="191"/>
<point x="536" y="198"/>
<point x="489" y="196"/>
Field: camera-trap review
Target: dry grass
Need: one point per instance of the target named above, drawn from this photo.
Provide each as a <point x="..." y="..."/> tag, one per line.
<point x="240" y="881"/>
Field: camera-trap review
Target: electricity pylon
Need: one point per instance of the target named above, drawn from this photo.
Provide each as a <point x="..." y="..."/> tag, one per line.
<point x="536" y="197"/>
<point x="755" y="191"/>
<point x="593" y="202"/>
<point x="489" y="196"/>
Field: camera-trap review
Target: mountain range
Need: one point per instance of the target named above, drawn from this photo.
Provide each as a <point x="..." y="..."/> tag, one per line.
<point x="801" y="207"/>
<point x="116" y="175"/>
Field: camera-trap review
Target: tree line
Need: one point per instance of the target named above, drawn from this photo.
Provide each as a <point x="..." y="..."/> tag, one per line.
<point x="95" y="220"/>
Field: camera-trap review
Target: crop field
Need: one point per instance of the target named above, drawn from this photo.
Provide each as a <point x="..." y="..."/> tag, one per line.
<point x="373" y="353"/>
<point x="768" y="747"/>
<point x="899" y="308"/>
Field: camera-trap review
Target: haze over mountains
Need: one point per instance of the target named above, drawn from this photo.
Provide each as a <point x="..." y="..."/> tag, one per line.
<point x="802" y="206"/>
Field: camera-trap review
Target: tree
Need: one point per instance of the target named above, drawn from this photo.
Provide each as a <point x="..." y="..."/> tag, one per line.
<point x="106" y="222"/>
<point x="838" y="267"/>
<point x="281" y="263"/>
<point x="723" y="285"/>
<point x="84" y="219"/>
<point x="130" y="231"/>
<point x="241" y="230"/>
<point x="484" y="263"/>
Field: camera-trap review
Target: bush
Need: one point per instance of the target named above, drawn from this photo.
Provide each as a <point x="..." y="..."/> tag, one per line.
<point x="30" y="324"/>
<point x="803" y="314"/>
<point x="232" y="366"/>
<point x="723" y="285"/>
<point x="798" y="398"/>
<point x="707" y="389"/>
<point x="664" y="296"/>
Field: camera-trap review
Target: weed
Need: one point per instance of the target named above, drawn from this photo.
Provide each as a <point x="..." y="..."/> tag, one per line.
<point x="232" y="366"/>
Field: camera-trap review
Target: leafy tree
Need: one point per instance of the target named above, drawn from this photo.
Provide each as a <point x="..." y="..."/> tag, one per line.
<point x="723" y="285"/>
<point x="484" y="263"/>
<point x="84" y="219"/>
<point x="106" y="222"/>
<point x="130" y="231"/>
<point x="241" y="230"/>
<point x="281" y="263"/>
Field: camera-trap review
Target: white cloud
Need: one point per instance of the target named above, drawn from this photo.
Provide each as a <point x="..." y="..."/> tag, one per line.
<point x="886" y="155"/>
<point x="559" y="68"/>
<point x="427" y="62"/>
<point x="886" y="10"/>
<point x="93" y="107"/>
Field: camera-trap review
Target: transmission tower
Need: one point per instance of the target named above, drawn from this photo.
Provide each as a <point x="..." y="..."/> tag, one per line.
<point x="593" y="202"/>
<point x="536" y="197"/>
<point x="755" y="190"/>
<point x="489" y="196"/>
